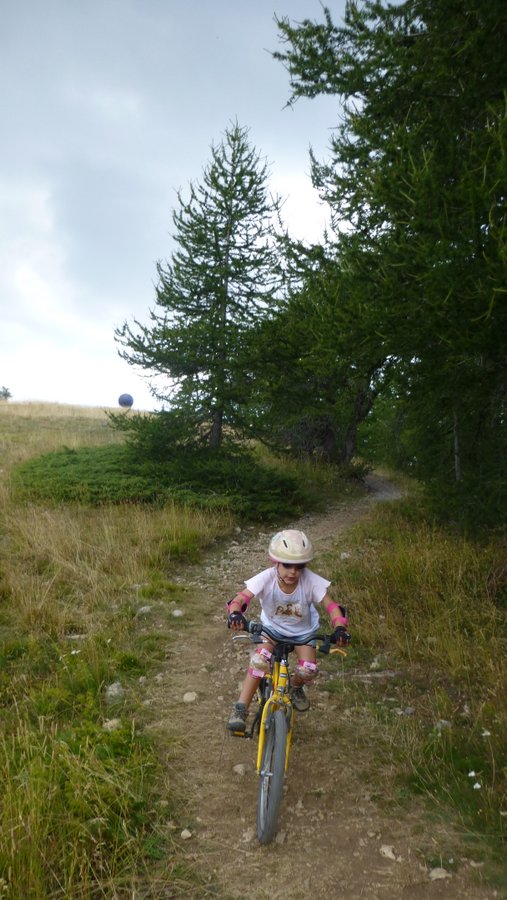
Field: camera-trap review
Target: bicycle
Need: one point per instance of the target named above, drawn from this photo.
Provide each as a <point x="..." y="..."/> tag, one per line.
<point x="273" y="722"/>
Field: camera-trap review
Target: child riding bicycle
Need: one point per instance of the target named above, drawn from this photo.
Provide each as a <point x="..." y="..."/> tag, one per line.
<point x="289" y="594"/>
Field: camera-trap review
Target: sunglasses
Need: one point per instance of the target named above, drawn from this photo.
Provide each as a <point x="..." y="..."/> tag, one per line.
<point x="294" y="565"/>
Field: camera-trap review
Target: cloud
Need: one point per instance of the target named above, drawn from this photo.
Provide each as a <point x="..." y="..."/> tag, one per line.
<point x="108" y="108"/>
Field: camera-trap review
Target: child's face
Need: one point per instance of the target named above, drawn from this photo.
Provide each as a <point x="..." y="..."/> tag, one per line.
<point x="290" y="573"/>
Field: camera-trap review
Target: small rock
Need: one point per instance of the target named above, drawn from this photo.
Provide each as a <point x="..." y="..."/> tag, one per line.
<point x="240" y="769"/>
<point x="438" y="873"/>
<point x="177" y="613"/>
<point x="375" y="664"/>
<point x="190" y="697"/>
<point x="143" y="611"/>
<point x="443" y="724"/>
<point x="387" y="852"/>
<point x="281" y="837"/>
<point x="115" y="691"/>
<point x="186" y="834"/>
<point x="111" y="724"/>
<point x="247" y="836"/>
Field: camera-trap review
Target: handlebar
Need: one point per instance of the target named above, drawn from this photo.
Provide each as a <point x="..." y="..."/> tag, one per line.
<point x="256" y="629"/>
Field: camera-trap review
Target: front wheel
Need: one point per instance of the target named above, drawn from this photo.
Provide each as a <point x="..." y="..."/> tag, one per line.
<point x="271" y="776"/>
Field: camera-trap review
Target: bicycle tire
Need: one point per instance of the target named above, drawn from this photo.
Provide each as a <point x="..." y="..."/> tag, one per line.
<point x="271" y="777"/>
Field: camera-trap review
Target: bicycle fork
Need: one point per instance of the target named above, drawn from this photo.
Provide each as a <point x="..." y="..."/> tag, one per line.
<point x="278" y="699"/>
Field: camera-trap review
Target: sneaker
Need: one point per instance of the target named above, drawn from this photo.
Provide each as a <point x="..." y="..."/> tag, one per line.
<point x="299" y="699"/>
<point x="237" y="718"/>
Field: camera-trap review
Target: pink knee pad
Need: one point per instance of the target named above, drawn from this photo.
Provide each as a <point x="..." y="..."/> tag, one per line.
<point x="260" y="662"/>
<point x="307" y="671"/>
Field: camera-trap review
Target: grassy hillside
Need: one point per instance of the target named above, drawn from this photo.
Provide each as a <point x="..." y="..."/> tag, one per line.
<point x="82" y="781"/>
<point x="76" y="571"/>
<point x="72" y="581"/>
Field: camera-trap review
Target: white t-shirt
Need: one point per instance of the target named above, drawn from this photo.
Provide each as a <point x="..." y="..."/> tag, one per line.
<point x="291" y="614"/>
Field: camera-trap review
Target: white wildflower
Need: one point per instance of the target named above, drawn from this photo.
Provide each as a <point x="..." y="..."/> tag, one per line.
<point x="486" y="733"/>
<point x="471" y="774"/>
<point x="477" y="786"/>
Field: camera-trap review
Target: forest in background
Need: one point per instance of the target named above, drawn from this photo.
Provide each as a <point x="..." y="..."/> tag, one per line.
<point x="388" y="338"/>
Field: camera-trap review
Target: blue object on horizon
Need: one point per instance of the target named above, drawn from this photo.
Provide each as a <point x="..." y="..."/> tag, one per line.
<point x="125" y="401"/>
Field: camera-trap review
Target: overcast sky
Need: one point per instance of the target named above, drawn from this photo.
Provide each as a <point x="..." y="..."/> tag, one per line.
<point x="108" y="107"/>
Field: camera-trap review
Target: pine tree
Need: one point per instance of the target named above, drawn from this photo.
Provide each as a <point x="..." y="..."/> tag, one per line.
<point x="219" y="282"/>
<point x="418" y="173"/>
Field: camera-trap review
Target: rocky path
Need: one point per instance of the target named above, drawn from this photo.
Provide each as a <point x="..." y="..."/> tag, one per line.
<point x="341" y="832"/>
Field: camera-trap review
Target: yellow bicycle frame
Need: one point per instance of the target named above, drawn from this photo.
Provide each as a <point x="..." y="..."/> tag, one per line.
<point x="279" y="697"/>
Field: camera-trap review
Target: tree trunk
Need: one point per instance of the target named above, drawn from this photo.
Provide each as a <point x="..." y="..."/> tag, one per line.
<point x="457" y="457"/>
<point x="362" y="405"/>
<point x="215" y="438"/>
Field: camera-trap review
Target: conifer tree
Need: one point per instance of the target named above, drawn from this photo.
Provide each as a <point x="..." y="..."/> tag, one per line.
<point x="219" y="282"/>
<point x="418" y="174"/>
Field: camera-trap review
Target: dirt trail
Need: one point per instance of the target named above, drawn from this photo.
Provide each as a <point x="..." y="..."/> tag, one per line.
<point x="338" y="832"/>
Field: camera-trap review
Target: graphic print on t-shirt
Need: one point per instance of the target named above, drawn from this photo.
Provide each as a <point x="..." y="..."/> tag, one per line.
<point x="289" y="609"/>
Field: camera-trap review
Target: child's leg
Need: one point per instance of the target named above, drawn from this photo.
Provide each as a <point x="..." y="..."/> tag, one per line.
<point x="259" y="666"/>
<point x="306" y="667"/>
<point x="248" y="690"/>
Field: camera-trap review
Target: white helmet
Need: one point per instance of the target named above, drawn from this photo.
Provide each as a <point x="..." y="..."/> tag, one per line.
<point x="290" y="547"/>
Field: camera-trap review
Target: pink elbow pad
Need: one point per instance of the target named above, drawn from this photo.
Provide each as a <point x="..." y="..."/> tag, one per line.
<point x="245" y="600"/>
<point x="341" y="612"/>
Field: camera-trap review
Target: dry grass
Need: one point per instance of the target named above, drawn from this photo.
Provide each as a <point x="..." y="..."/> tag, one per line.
<point x="30" y="429"/>
<point x="73" y="795"/>
<point x="423" y="606"/>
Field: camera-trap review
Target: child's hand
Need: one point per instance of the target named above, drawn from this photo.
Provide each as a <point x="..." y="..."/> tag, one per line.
<point x="236" y="621"/>
<point x="341" y="636"/>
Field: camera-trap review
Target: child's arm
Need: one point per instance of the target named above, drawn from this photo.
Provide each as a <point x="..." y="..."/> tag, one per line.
<point x="235" y="609"/>
<point x="335" y="611"/>
<point x="338" y="616"/>
<point x="240" y="602"/>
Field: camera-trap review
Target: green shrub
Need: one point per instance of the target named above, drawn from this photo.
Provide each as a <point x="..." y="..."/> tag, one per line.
<point x="116" y="474"/>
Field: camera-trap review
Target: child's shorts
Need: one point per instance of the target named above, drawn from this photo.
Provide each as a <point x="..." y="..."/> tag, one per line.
<point x="307" y="637"/>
